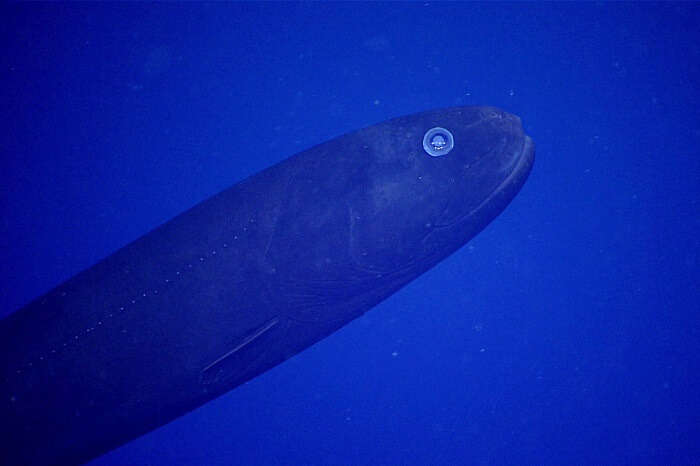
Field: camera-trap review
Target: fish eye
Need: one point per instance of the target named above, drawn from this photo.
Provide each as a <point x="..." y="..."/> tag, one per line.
<point x="438" y="141"/>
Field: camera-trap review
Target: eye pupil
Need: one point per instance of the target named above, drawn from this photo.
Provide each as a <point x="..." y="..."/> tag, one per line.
<point x="438" y="142"/>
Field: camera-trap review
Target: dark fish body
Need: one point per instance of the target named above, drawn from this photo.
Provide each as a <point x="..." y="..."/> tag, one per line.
<point x="247" y="279"/>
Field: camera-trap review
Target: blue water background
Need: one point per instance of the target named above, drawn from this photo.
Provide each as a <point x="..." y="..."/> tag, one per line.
<point x="568" y="332"/>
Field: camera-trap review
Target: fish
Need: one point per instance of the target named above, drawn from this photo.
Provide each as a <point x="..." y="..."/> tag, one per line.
<point x="248" y="278"/>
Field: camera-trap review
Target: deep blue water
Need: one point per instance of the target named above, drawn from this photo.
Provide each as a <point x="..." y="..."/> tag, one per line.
<point x="568" y="332"/>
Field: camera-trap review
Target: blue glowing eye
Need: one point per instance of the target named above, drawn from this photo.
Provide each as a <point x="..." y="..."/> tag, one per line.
<point x="438" y="141"/>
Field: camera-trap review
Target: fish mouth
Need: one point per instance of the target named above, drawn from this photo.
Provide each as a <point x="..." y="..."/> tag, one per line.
<point x="522" y="164"/>
<point x="525" y="160"/>
<point x="519" y="165"/>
